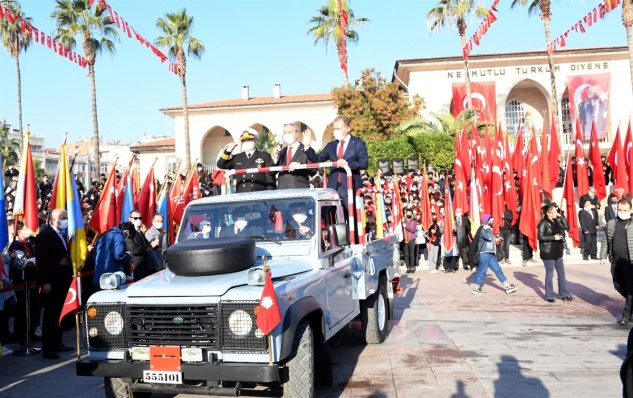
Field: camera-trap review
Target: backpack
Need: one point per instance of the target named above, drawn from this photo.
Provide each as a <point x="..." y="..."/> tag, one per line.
<point x="473" y="249"/>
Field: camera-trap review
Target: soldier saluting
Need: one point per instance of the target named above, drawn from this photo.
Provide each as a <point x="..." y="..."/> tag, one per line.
<point x="250" y="157"/>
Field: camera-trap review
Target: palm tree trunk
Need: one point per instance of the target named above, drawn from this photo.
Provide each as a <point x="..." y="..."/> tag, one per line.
<point x="95" y="123"/>
<point x="19" y="80"/>
<point x="552" y="77"/>
<point x="468" y="96"/>
<point x="627" y="20"/>
<point x="185" y="113"/>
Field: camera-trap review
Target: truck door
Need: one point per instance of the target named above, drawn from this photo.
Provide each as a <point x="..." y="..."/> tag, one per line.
<point x="338" y="269"/>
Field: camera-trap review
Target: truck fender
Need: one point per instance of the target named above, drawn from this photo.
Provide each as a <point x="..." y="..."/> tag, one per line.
<point x="295" y="313"/>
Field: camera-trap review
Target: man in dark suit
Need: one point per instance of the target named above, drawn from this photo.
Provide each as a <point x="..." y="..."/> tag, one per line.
<point x="462" y="232"/>
<point x="144" y="261"/>
<point x="249" y="158"/>
<point x="590" y="196"/>
<point x="588" y="219"/>
<point x="55" y="273"/>
<point x="594" y="109"/>
<point x="345" y="151"/>
<point x="299" y="154"/>
<point x="241" y="225"/>
<point x="611" y="211"/>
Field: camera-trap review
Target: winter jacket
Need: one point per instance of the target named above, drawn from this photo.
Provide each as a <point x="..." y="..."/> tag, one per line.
<point x="550" y="248"/>
<point x="110" y="254"/>
<point x="607" y="247"/>
<point x="487" y="242"/>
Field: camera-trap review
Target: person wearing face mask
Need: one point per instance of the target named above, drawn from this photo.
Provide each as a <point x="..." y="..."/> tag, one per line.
<point x="249" y="158"/>
<point x="409" y="226"/>
<point x="301" y="225"/>
<point x="487" y="249"/>
<point x="157" y="231"/>
<point x="110" y="254"/>
<point x="551" y="236"/>
<point x="142" y="251"/>
<point x="618" y="248"/>
<point x="435" y="240"/>
<point x="241" y="226"/>
<point x="292" y="155"/>
<point x="203" y="179"/>
<point x="588" y="220"/>
<point x="55" y="273"/>
<point x="611" y="211"/>
<point x="204" y="231"/>
<point x="345" y="151"/>
<point x="591" y="196"/>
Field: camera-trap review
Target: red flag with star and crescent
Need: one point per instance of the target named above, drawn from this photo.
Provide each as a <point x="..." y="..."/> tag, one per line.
<point x="596" y="162"/>
<point x="73" y="299"/>
<point x="582" y="172"/>
<point x="268" y="315"/>
<point x="147" y="198"/>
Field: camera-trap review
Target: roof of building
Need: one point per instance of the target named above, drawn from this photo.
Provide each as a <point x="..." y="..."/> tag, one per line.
<point x="285" y="99"/>
<point x="155" y="146"/>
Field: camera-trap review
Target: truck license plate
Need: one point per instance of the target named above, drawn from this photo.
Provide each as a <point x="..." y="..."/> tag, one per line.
<point x="150" y="376"/>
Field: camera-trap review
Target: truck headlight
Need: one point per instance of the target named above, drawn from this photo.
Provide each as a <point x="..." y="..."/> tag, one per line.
<point x="113" y="323"/>
<point x="240" y="322"/>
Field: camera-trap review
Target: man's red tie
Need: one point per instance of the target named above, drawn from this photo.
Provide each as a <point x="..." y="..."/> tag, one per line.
<point x="339" y="155"/>
<point x="289" y="155"/>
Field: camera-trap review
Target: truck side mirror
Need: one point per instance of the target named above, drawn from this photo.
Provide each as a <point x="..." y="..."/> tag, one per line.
<point x="340" y="234"/>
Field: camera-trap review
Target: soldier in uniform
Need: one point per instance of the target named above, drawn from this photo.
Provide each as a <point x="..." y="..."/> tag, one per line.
<point x="250" y="157"/>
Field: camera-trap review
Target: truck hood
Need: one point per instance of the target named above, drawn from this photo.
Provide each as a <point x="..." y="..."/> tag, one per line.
<point x="166" y="283"/>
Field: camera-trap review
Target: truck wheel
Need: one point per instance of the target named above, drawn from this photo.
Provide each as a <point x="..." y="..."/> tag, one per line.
<point x="201" y="257"/>
<point x="116" y="388"/>
<point x="373" y="315"/>
<point x="300" y="366"/>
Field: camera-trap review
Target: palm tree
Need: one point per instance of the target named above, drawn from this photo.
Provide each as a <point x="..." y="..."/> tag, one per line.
<point x="266" y="141"/>
<point x="544" y="6"/>
<point x="327" y="27"/>
<point x="92" y="24"/>
<point x="441" y="124"/>
<point x="176" y="28"/>
<point x="15" y="42"/>
<point x="9" y="147"/>
<point x="453" y="13"/>
<point x="627" y="20"/>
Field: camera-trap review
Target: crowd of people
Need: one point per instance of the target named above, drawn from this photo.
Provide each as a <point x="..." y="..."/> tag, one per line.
<point x="40" y="265"/>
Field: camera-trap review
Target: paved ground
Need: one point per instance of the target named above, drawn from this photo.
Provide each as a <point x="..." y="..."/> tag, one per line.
<point x="445" y="342"/>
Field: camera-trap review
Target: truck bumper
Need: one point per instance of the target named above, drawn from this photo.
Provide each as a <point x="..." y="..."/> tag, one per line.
<point x="218" y="371"/>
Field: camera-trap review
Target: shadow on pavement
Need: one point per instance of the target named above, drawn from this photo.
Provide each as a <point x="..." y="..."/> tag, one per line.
<point x="460" y="390"/>
<point x="512" y="383"/>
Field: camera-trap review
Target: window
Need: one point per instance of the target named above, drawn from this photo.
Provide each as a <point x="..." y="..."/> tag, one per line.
<point x="566" y="114"/>
<point x="171" y="166"/>
<point x="515" y="114"/>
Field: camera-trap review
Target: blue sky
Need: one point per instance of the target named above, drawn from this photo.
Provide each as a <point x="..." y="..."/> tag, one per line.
<point x="248" y="42"/>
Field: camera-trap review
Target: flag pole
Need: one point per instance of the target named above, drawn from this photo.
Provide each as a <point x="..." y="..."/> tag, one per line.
<point x="270" y="338"/>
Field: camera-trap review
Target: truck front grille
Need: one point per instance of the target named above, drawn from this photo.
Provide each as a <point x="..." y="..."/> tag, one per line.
<point x="183" y="326"/>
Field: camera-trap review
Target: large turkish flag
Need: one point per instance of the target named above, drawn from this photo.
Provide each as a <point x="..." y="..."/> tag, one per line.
<point x="589" y="102"/>
<point x="483" y="96"/>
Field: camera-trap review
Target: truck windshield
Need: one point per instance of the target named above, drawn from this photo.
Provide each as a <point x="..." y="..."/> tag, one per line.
<point x="279" y="219"/>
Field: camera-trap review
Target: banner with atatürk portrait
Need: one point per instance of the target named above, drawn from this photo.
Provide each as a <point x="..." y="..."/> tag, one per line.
<point x="483" y="96"/>
<point x="589" y="102"/>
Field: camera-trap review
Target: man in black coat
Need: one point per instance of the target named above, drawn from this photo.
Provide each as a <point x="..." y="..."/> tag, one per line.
<point x="462" y="233"/>
<point x="590" y="196"/>
<point x="301" y="224"/>
<point x="55" y="273"/>
<point x="588" y="219"/>
<point x="611" y="211"/>
<point x="299" y="154"/>
<point x="506" y="231"/>
<point x="144" y="261"/>
<point x="249" y="158"/>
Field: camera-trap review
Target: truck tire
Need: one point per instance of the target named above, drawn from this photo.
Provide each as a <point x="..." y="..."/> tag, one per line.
<point x="202" y="257"/>
<point x="373" y="315"/>
<point x="300" y="365"/>
<point x="117" y="388"/>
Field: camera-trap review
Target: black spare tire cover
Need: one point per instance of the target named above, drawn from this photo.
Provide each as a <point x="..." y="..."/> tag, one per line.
<point x="201" y="257"/>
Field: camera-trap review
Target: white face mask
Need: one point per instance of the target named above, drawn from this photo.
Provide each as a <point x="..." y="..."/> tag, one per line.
<point x="137" y="223"/>
<point x="158" y="225"/>
<point x="623" y="215"/>
<point x="338" y="135"/>
<point x="289" y="139"/>
<point x="240" y="223"/>
<point x="248" y="146"/>
<point x="63" y="224"/>
<point x="27" y="234"/>
<point x="206" y="229"/>
<point x="299" y="218"/>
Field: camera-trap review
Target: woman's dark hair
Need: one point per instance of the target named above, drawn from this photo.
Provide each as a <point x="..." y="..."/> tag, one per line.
<point x="129" y="227"/>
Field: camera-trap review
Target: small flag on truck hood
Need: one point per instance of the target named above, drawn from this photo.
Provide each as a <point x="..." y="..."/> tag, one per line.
<point x="268" y="315"/>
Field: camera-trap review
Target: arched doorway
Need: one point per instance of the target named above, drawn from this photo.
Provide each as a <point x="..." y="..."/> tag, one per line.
<point x="214" y="140"/>
<point x="534" y="100"/>
<point x="305" y="129"/>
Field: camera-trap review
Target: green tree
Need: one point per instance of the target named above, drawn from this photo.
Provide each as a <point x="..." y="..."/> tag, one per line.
<point x="9" y="147"/>
<point x="627" y="20"/>
<point x="326" y="28"/>
<point x="16" y="41"/>
<point x="77" y="19"/>
<point x="443" y="124"/>
<point x="374" y="106"/>
<point x="39" y="169"/>
<point x="266" y="141"/>
<point x="176" y="28"/>
<point x="453" y="13"/>
<point x="543" y="6"/>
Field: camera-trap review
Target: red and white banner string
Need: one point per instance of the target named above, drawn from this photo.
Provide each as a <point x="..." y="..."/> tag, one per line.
<point x="42" y="38"/>
<point x="483" y="28"/>
<point x="591" y="18"/>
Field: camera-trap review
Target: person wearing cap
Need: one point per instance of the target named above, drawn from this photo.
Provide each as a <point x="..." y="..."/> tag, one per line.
<point x="249" y="158"/>
<point x="292" y="155"/>
<point x="241" y="225"/>
<point x="345" y="151"/>
<point x="204" y="230"/>
<point x="487" y="249"/>
<point x="301" y="225"/>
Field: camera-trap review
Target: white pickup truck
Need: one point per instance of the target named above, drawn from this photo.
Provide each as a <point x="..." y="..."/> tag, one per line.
<point x="192" y="329"/>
